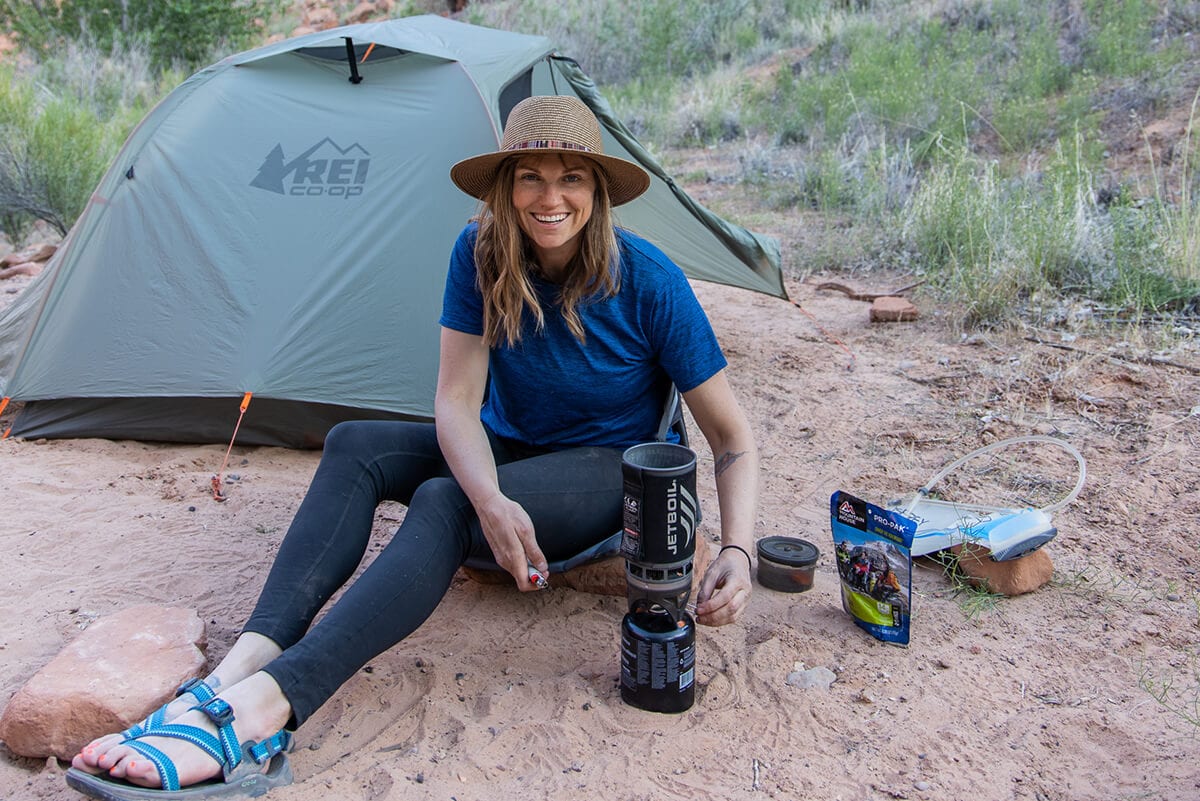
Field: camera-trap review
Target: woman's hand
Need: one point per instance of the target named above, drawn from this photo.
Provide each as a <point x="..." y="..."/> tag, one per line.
<point x="724" y="590"/>
<point x="509" y="532"/>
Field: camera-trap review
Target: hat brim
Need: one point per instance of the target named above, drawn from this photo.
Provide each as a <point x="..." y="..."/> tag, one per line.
<point x="626" y="180"/>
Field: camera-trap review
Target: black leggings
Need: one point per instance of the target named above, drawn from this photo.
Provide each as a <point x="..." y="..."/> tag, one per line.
<point x="572" y="496"/>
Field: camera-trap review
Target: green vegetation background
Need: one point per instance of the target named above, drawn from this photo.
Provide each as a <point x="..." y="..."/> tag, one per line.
<point x="969" y="143"/>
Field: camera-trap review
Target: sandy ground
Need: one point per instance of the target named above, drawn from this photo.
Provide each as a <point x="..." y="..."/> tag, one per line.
<point x="1085" y="689"/>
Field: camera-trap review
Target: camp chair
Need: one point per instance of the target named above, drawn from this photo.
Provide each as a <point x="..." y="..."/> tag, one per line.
<point x="671" y="420"/>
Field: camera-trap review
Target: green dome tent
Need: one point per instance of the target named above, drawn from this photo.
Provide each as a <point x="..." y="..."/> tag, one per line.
<point x="281" y="224"/>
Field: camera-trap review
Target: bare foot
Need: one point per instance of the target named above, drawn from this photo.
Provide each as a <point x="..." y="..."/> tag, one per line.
<point x="260" y="710"/>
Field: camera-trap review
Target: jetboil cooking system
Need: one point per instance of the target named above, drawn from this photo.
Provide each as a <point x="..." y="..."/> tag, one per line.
<point x="658" y="636"/>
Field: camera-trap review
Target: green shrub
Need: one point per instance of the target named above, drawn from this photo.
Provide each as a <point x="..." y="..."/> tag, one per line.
<point x="993" y="244"/>
<point x="1120" y="38"/>
<point x="906" y="78"/>
<point x="616" y="41"/>
<point x="954" y="214"/>
<point x="990" y="243"/>
<point x="50" y="163"/>
<point x="60" y="127"/>
<point x="120" y="83"/>
<point x="174" y="31"/>
<point x="16" y="106"/>
<point x="1158" y="243"/>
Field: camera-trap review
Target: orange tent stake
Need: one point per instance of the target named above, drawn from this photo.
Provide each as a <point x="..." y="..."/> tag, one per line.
<point x="216" y="479"/>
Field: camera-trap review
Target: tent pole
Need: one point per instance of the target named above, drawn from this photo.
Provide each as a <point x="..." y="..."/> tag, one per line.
<point x="354" y="76"/>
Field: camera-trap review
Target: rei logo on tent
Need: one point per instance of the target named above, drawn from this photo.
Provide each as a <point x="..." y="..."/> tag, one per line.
<point x="324" y="170"/>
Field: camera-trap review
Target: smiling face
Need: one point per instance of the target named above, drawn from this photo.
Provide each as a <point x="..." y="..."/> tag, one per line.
<point x="553" y="196"/>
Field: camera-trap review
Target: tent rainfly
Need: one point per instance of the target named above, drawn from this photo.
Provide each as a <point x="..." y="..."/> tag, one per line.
<point x="280" y="225"/>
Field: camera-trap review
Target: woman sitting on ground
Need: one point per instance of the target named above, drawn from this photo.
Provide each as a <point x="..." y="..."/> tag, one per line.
<point x="561" y="337"/>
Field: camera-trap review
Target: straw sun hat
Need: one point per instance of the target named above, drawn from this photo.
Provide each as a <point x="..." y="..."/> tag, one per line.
<point x="552" y="124"/>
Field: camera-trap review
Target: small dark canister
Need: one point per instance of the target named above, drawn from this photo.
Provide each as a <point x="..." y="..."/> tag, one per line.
<point x="787" y="564"/>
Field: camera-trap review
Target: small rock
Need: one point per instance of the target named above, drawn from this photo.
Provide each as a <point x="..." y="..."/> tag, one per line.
<point x="35" y="254"/>
<point x="321" y="19"/>
<point x="361" y="13"/>
<point x="1014" y="577"/>
<point x="891" y="309"/>
<point x="818" y="678"/>
<point x="24" y="268"/>
<point x="922" y="786"/>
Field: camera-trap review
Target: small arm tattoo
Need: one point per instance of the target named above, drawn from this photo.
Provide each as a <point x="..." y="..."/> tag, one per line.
<point x="726" y="460"/>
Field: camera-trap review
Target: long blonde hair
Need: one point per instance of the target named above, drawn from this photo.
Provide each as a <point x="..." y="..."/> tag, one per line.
<point x="504" y="262"/>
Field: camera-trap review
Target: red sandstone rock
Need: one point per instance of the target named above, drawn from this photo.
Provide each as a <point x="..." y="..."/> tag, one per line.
<point x="24" y="268"/>
<point x="112" y="675"/>
<point x="321" y="19"/>
<point x="1013" y="577"/>
<point x="891" y="309"/>
<point x="43" y="252"/>
<point x="360" y="13"/>
<point x="37" y="253"/>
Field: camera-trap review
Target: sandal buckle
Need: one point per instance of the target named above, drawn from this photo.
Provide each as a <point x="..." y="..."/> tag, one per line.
<point x="218" y="710"/>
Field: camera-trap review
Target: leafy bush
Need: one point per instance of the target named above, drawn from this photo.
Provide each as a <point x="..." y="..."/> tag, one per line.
<point x="52" y="154"/>
<point x="173" y="31"/>
<point x="61" y="124"/>
<point x="617" y="41"/>
<point x="996" y="245"/>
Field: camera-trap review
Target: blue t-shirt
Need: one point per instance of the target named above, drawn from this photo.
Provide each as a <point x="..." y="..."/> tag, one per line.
<point x="550" y="390"/>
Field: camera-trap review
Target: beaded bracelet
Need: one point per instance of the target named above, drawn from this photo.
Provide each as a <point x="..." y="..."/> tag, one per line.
<point x="745" y="553"/>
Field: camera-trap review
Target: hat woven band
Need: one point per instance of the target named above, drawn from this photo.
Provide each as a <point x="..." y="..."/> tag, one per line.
<point x="549" y="144"/>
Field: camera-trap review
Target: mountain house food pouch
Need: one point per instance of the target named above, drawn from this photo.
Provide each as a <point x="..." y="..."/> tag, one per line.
<point x="873" y="546"/>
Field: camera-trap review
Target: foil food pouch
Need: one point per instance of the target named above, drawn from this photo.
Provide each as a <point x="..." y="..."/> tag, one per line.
<point x="873" y="546"/>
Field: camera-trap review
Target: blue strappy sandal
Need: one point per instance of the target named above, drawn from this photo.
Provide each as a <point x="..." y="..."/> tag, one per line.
<point x="241" y="763"/>
<point x="196" y="688"/>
